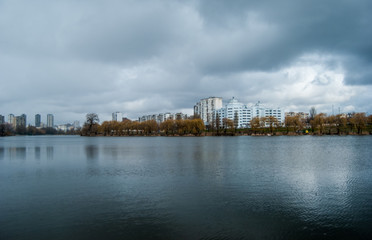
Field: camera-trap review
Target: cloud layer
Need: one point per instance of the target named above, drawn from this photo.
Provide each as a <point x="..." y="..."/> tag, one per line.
<point x="138" y="57"/>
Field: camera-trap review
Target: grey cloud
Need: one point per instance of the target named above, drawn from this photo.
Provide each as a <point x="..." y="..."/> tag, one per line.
<point x="358" y="71"/>
<point x="153" y="56"/>
<point x="331" y="27"/>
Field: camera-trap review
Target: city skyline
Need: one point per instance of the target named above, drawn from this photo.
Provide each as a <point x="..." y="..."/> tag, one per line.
<point x="163" y="56"/>
<point x="334" y="110"/>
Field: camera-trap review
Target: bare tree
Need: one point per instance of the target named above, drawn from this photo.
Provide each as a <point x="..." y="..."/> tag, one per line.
<point x="90" y="125"/>
<point x="273" y="123"/>
<point x="312" y="113"/>
<point x="359" y="121"/>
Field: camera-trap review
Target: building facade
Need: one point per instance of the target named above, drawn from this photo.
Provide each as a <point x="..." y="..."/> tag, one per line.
<point x="50" y="120"/>
<point x="37" y="120"/>
<point x="159" y="118"/>
<point x="2" y="119"/>
<point x="12" y="120"/>
<point x="21" y="121"/>
<point x="302" y="115"/>
<point x="206" y="107"/>
<point x="117" y="116"/>
<point x="259" y="110"/>
<point x="236" y="111"/>
<point x="242" y="115"/>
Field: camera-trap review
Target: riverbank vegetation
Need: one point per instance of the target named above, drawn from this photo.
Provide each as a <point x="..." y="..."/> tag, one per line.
<point x="148" y="128"/>
<point x="8" y="130"/>
<point x="316" y="124"/>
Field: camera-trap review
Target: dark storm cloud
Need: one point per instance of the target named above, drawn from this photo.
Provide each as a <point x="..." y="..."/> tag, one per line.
<point x="331" y="27"/>
<point x="143" y="57"/>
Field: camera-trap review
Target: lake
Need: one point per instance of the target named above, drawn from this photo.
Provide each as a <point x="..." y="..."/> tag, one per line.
<point x="71" y="187"/>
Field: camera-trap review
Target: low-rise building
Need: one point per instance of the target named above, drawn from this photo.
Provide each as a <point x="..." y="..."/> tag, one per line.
<point x="302" y="115"/>
<point x="161" y="117"/>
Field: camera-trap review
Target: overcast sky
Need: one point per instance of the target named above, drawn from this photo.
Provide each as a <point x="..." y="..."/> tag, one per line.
<point x="73" y="57"/>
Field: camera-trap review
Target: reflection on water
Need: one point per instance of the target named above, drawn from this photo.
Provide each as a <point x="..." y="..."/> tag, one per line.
<point x="17" y="153"/>
<point x="92" y="155"/>
<point x="37" y="153"/>
<point x="91" y="152"/>
<point x="50" y="152"/>
<point x="2" y="153"/>
<point x="186" y="188"/>
<point x="22" y="153"/>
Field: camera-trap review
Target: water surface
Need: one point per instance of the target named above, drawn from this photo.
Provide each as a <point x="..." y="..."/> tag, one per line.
<point x="68" y="187"/>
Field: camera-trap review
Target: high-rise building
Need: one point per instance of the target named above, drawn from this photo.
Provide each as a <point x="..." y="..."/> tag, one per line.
<point x="12" y="120"/>
<point x="50" y="120"/>
<point x="117" y="116"/>
<point x="2" y="120"/>
<point x="37" y="120"/>
<point x="21" y="121"/>
<point x="206" y="107"/>
<point x="236" y="111"/>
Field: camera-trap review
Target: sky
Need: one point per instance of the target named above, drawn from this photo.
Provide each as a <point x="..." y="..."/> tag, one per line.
<point x="74" y="57"/>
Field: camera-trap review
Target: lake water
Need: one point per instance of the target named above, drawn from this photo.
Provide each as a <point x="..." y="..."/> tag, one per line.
<point x="70" y="187"/>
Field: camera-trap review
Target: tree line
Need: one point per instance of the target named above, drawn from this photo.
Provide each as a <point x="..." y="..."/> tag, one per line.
<point x="178" y="127"/>
<point x="315" y="124"/>
<point x="318" y="124"/>
<point x="7" y="129"/>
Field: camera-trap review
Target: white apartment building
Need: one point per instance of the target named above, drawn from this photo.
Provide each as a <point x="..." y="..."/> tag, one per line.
<point x="242" y="114"/>
<point x="206" y="107"/>
<point x="235" y="111"/>
<point x="259" y="110"/>
<point x="117" y="116"/>
<point x="12" y="120"/>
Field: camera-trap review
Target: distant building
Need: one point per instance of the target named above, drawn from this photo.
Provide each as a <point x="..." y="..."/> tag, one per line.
<point x="302" y="115"/>
<point x="206" y="107"/>
<point x="236" y="111"/>
<point x="12" y="120"/>
<point x="37" y="120"/>
<point x="50" y="120"/>
<point x="117" y="116"/>
<point x="2" y="119"/>
<point x="159" y="118"/>
<point x="76" y="125"/>
<point x="259" y="110"/>
<point x="65" y="127"/>
<point x="21" y="121"/>
<point x="242" y="115"/>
